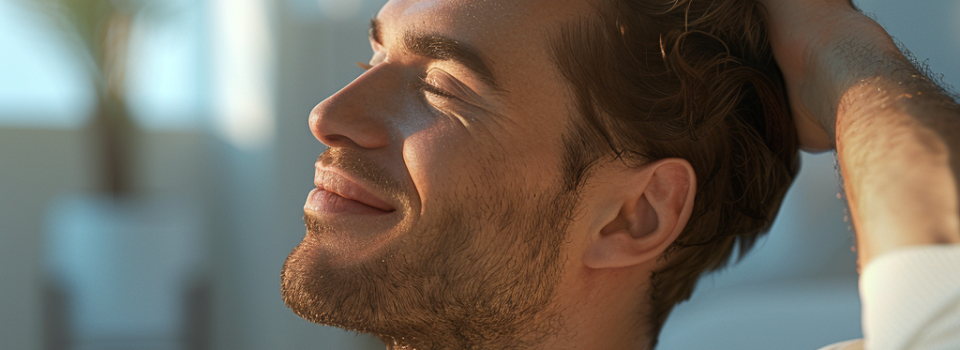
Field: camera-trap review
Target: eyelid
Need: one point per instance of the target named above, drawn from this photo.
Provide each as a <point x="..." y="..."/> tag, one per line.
<point x="433" y="84"/>
<point x="432" y="89"/>
<point x="450" y="85"/>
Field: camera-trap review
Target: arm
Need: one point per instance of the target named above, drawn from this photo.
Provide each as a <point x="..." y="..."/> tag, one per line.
<point x="897" y="134"/>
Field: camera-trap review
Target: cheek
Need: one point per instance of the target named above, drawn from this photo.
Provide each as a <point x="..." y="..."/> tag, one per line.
<point x="452" y="167"/>
<point x="476" y="165"/>
<point x="442" y="161"/>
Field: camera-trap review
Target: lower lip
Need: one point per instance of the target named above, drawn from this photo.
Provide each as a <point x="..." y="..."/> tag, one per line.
<point x="328" y="203"/>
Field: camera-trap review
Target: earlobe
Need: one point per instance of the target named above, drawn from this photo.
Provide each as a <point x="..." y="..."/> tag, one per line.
<point x="656" y="202"/>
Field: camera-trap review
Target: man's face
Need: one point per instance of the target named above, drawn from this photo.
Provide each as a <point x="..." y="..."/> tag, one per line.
<point x="441" y="206"/>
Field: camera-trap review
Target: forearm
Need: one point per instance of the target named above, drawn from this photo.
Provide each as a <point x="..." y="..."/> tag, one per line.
<point x="898" y="140"/>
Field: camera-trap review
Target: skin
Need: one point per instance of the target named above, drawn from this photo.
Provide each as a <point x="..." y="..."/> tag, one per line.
<point x="481" y="155"/>
<point x="895" y="132"/>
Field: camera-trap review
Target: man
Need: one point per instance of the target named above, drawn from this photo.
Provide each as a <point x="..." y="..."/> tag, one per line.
<point x="556" y="174"/>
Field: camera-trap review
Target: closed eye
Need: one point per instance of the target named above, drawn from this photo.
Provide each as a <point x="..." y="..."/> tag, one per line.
<point x="433" y="89"/>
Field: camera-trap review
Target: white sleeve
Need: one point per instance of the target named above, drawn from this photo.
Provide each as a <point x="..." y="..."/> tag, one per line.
<point x="847" y="345"/>
<point x="911" y="299"/>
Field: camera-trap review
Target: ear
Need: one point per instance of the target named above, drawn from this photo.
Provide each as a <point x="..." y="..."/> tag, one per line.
<point x="654" y="204"/>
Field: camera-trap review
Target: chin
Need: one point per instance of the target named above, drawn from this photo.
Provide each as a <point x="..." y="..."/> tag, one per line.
<point x="313" y="288"/>
<point x="374" y="295"/>
<point x="466" y="280"/>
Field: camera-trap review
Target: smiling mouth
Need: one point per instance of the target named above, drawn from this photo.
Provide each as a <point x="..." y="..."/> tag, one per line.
<point x="338" y="195"/>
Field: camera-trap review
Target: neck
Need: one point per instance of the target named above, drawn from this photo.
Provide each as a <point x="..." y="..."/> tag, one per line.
<point x="603" y="311"/>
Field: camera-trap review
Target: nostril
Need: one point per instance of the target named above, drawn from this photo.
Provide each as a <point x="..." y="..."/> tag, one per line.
<point x="337" y="140"/>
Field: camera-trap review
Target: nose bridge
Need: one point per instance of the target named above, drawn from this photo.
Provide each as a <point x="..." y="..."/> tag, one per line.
<point x="362" y="114"/>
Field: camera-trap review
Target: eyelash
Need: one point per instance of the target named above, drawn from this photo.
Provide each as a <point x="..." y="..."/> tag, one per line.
<point x="430" y="88"/>
<point x="424" y="85"/>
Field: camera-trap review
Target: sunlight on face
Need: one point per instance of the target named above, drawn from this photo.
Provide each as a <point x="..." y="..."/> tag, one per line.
<point x="440" y="202"/>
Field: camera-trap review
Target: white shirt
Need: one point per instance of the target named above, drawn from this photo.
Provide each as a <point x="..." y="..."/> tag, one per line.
<point x="911" y="301"/>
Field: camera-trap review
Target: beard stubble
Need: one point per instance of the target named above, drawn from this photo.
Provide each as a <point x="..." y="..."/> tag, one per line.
<point x="479" y="276"/>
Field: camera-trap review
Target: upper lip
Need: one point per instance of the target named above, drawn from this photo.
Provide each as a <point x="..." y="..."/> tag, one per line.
<point x="336" y="181"/>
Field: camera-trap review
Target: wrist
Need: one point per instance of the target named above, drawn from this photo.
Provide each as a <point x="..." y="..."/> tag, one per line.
<point x="860" y="50"/>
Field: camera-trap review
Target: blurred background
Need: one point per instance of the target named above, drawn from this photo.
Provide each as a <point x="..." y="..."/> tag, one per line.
<point x="154" y="159"/>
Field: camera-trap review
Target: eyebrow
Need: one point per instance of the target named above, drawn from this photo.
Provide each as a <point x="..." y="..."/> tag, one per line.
<point x="444" y="49"/>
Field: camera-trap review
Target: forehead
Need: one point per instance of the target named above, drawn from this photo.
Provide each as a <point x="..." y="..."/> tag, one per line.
<point x="513" y="36"/>
<point x="483" y="20"/>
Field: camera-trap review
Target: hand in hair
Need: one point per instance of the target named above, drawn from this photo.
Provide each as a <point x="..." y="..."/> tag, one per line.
<point x="897" y="134"/>
<point x="810" y="39"/>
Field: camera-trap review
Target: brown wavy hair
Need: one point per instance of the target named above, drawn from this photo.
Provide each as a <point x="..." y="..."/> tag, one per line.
<point x="691" y="79"/>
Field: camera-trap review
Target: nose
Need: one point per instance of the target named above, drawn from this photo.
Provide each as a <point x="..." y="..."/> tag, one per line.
<point x="358" y="116"/>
